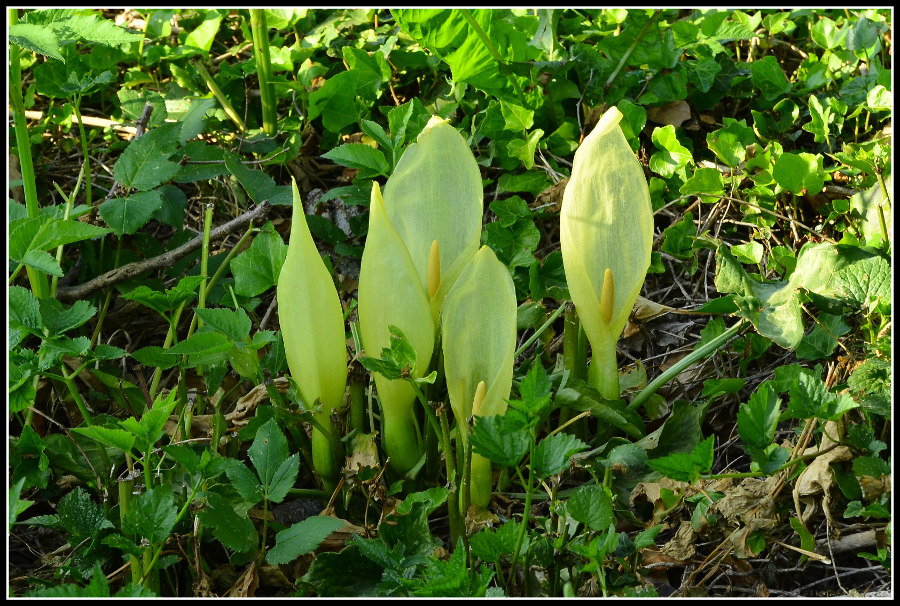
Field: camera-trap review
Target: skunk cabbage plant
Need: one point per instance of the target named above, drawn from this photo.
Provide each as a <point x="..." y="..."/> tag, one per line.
<point x="312" y="326"/>
<point x="423" y="232"/>
<point x="606" y="233"/>
<point x="478" y="326"/>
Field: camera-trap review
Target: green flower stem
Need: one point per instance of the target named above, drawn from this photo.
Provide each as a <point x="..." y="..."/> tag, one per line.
<point x="684" y="363"/>
<point x="457" y="528"/>
<point x="603" y="374"/>
<point x="529" y="490"/>
<point x="260" y="33"/>
<point x="184" y="509"/>
<point x="220" y="96"/>
<point x="84" y="152"/>
<point x="540" y="330"/>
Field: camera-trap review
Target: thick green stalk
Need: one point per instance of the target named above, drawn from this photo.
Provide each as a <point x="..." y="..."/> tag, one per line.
<point x="260" y="32"/>
<point x="603" y="374"/>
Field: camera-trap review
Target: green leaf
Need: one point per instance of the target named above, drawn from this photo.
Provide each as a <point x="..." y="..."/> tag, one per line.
<point x="820" y="343"/>
<point x="302" y="538"/>
<point x="256" y="269"/>
<point x="591" y="506"/>
<point x="193" y="120"/>
<point x="344" y="574"/>
<point x="686" y="467"/>
<point x="269" y="455"/>
<point x="750" y="252"/>
<point x="234" y="531"/>
<point x="524" y="149"/>
<point x="517" y="118"/>
<point x="551" y="455"/>
<point x="202" y="36"/>
<point x="491" y="545"/>
<point x="580" y="397"/>
<point x="203" y="343"/>
<point x="368" y="160"/>
<point x="827" y="34"/>
<point x="679" y="238"/>
<point x="41" y="261"/>
<point x="259" y="186"/>
<point x="705" y="181"/>
<point x="672" y="155"/>
<point x="58" y="319"/>
<point x="16" y="505"/>
<point x="862" y="36"/>
<point x="151" y="515"/>
<point x="730" y="143"/>
<point x="150" y="428"/>
<point x="233" y="323"/>
<point x="80" y="517"/>
<point x="866" y="283"/>
<point x="495" y="440"/>
<point x="810" y="398"/>
<point x="29" y="462"/>
<point x="767" y="75"/>
<point x="799" y="173"/>
<point x="335" y="102"/>
<point x="144" y="164"/>
<point x="154" y="355"/>
<point x="127" y="215"/>
<point x="36" y="38"/>
<point x="24" y="310"/>
<point x="758" y="418"/>
<point x="245" y="482"/>
<point x="432" y="498"/>
<point x="109" y="436"/>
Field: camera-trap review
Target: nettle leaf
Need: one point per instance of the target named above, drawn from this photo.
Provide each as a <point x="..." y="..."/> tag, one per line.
<point x="256" y="269"/>
<point x="866" y="283"/>
<point x="233" y="323"/>
<point x="36" y="38"/>
<point x="302" y="538"/>
<point x="203" y="344"/>
<point x="58" y="319"/>
<point x="235" y="532"/>
<point x="491" y="545"/>
<point x="495" y="440"/>
<point x="810" y="398"/>
<point x="117" y="438"/>
<point x="144" y="164"/>
<point x="269" y="455"/>
<point x="672" y="155"/>
<point x="152" y="515"/>
<point x="551" y="455"/>
<point x="41" y="261"/>
<point x="368" y="160"/>
<point x="758" y="418"/>
<point x="591" y="506"/>
<point x="80" y="517"/>
<point x="686" y="467"/>
<point x="127" y="215"/>
<point x="24" y="310"/>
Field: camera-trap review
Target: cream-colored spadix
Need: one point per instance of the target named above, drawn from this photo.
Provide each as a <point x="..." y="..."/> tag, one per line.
<point x="606" y="234"/>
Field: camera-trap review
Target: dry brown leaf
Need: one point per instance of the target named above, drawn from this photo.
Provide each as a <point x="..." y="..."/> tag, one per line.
<point x="681" y="547"/>
<point x="241" y="415"/>
<point x="550" y="200"/>
<point x="818" y="478"/>
<point x="246" y="585"/>
<point x="747" y="502"/>
<point x="675" y="113"/>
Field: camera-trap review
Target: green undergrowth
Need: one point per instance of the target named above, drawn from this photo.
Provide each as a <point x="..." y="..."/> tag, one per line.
<point x="158" y="446"/>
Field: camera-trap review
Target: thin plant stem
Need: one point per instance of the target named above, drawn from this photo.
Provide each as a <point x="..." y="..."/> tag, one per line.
<point x="684" y="363"/>
<point x="540" y="330"/>
<point x="220" y="96"/>
<point x="457" y="528"/>
<point x="529" y="491"/>
<point x="84" y="151"/>
<point x="68" y="211"/>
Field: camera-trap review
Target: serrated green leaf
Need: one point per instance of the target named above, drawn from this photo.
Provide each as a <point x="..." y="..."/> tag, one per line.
<point x="432" y="498"/>
<point x="58" y="319"/>
<point x="24" y="310"/>
<point x="245" y="482"/>
<point x="866" y="283"/>
<point x="551" y="455"/>
<point x="80" y="517"/>
<point x="154" y="355"/>
<point x="41" y="261"/>
<point x="151" y="515"/>
<point x="233" y="323"/>
<point x="234" y="531"/>
<point x="491" y="545"/>
<point x="494" y="440"/>
<point x="36" y="38"/>
<point x="144" y="164"/>
<point x="117" y="438"/>
<point x="302" y="538"/>
<point x="591" y="506"/>
<point x="269" y="455"/>
<point x="203" y="343"/>
<point x="127" y="215"/>
<point x="758" y="418"/>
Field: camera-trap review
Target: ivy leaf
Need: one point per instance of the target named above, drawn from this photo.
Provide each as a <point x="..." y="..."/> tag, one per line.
<point x="705" y="181"/>
<point x="302" y="538"/>
<point x="768" y="77"/>
<point x="730" y="143"/>
<point x="820" y="343"/>
<point x="799" y="173"/>
<point x="672" y="155"/>
<point x="256" y="269"/>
